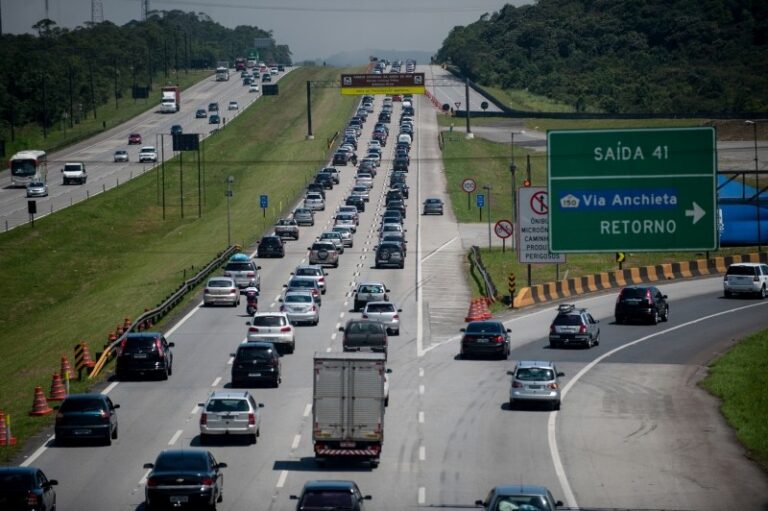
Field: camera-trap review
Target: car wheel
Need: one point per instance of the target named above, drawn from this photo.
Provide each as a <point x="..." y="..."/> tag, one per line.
<point x="357" y="306"/>
<point x="108" y="439"/>
<point x="619" y="320"/>
<point x="727" y="294"/>
<point x="292" y="348"/>
<point x="556" y="405"/>
<point x="252" y="439"/>
<point x="203" y="439"/>
<point x="164" y="374"/>
<point x="276" y="382"/>
<point x="511" y="404"/>
<point x="655" y="319"/>
<point x="665" y="317"/>
<point x="114" y="434"/>
<point x="170" y="369"/>
<point x="762" y="293"/>
<point x="386" y="401"/>
<point x="597" y="339"/>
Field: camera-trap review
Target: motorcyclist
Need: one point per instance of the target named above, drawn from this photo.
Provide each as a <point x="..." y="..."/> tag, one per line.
<point x="251" y="297"/>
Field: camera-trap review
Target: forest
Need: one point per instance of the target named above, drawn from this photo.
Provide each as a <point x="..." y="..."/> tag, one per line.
<point x="60" y="73"/>
<point x="623" y="56"/>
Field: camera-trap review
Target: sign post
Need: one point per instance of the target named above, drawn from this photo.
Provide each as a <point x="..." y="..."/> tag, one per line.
<point x="480" y="203"/>
<point x="390" y="83"/>
<point x="263" y="203"/>
<point x="533" y="229"/>
<point x="469" y="186"/>
<point x="632" y="190"/>
<point x="503" y="230"/>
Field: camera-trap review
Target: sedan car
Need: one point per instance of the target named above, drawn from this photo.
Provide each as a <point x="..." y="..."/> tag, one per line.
<point x="300" y="306"/>
<point x="335" y="238"/>
<point x="386" y="313"/>
<point x="86" y="416"/>
<point x="314" y="271"/>
<point x="304" y="216"/>
<point x="346" y="220"/>
<point x="134" y="138"/>
<point x="644" y="303"/>
<point x="535" y="382"/>
<point x="221" y="290"/>
<point x="433" y="206"/>
<point x="233" y="105"/>
<point x="256" y="362"/>
<point x="121" y="155"/>
<point x="37" y="188"/>
<point x="182" y="478"/>
<point x="274" y="326"/>
<point x="519" y="497"/>
<point x="214" y="119"/>
<point x="201" y="113"/>
<point x="176" y="129"/>
<point x="228" y="412"/>
<point x="337" y="495"/>
<point x="306" y="283"/>
<point x="271" y="246"/>
<point x="487" y="337"/>
<point x="26" y="488"/>
<point x="346" y="235"/>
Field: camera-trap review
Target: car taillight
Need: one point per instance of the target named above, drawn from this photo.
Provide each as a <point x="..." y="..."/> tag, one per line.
<point x="251" y="419"/>
<point x="203" y="419"/>
<point x="273" y="362"/>
<point x="251" y="275"/>
<point x="396" y="316"/>
<point x="285" y="329"/>
<point x="648" y="297"/>
<point x="282" y="308"/>
<point x="207" y="481"/>
<point x="233" y="290"/>
<point x="314" y="308"/>
<point x="227" y="274"/>
<point x="159" y="347"/>
<point x="253" y="329"/>
<point x="365" y="316"/>
<point x="151" y="482"/>
<point x="755" y="279"/>
<point x="207" y="291"/>
<point x="516" y="384"/>
<point x="104" y="414"/>
<point x="122" y="345"/>
<point x="553" y="386"/>
<point x="552" y="329"/>
<point x="618" y="298"/>
<point x="31" y="499"/>
<point x="583" y="329"/>
<point x="499" y="339"/>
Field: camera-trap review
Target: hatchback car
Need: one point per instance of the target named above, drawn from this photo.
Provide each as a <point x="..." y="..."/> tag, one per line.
<point x="535" y="382"/>
<point x="324" y="253"/>
<point x="201" y="113"/>
<point x="300" y="306"/>
<point x="370" y="292"/>
<point x="214" y="119"/>
<point x="746" y="278"/>
<point x="335" y="238"/>
<point x="389" y="255"/>
<point x="213" y="107"/>
<point x="337" y="495"/>
<point x="308" y="283"/>
<point x="487" y="337"/>
<point x="228" y="412"/>
<point x="315" y="201"/>
<point x="304" y="216"/>
<point x="385" y="313"/>
<point x="364" y="335"/>
<point x="643" y="303"/>
<point x="221" y="290"/>
<point x="433" y="206"/>
<point x="314" y="271"/>
<point x="86" y="416"/>
<point x="274" y="326"/>
<point x="346" y="220"/>
<point x="37" y="188"/>
<point x="134" y="138"/>
<point x="26" y="488"/>
<point x="144" y="353"/>
<point x="121" y="155"/>
<point x="176" y="129"/>
<point x="233" y="105"/>
<point x="573" y="326"/>
<point x="271" y="246"/>
<point x="519" y="498"/>
<point x="287" y="228"/>
<point x="243" y="271"/>
<point x="256" y="362"/>
<point x="184" y="478"/>
<point x="346" y="235"/>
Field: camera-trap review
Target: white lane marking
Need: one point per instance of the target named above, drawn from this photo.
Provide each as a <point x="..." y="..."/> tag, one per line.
<point x="551" y="423"/>
<point x="421" y="389"/>
<point x="328" y="350"/>
<point x="333" y="336"/>
<point x="182" y="321"/>
<point x="230" y="361"/>
<point x="277" y="297"/>
<point x="341" y="316"/>
<point x="338" y="325"/>
<point x="143" y="479"/>
<point x="307" y="409"/>
<point x="282" y="478"/>
<point x="421" y="372"/>
<point x="296" y="441"/>
<point x="40" y="450"/>
<point x="110" y="387"/>
<point x="175" y="437"/>
<point x="422" y="453"/>
<point x="421" y="417"/>
<point x="422" y="495"/>
<point x="195" y="410"/>
<point x="438" y="249"/>
<point x="216" y="381"/>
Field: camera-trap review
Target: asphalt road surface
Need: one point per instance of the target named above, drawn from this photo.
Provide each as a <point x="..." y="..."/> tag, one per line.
<point x="634" y="432"/>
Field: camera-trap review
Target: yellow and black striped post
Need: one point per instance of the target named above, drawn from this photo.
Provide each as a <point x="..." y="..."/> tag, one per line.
<point x="511" y="286"/>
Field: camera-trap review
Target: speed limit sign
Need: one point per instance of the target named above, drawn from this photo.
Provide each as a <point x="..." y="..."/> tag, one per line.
<point x="468" y="185"/>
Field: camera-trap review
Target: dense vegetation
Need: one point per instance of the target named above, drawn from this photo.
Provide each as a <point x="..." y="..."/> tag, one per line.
<point x="655" y="56"/>
<point x="61" y="73"/>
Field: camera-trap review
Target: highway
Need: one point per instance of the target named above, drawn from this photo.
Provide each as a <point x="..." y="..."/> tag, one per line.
<point x="448" y="88"/>
<point x="98" y="152"/>
<point x="634" y="431"/>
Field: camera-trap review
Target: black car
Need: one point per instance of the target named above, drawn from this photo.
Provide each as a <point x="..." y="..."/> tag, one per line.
<point x="402" y="153"/>
<point x="337" y="495"/>
<point x="213" y="107"/>
<point x="26" y="488"/>
<point x="400" y="164"/>
<point x="325" y="180"/>
<point x="392" y="216"/>
<point x="364" y="335"/>
<point x="176" y="129"/>
<point x="403" y="146"/>
<point x="256" y="362"/>
<point x="271" y="246"/>
<point x="214" y="119"/>
<point x="573" y="326"/>
<point x="317" y="188"/>
<point x="396" y="237"/>
<point x="266" y="77"/>
<point x="184" y="478"/>
<point x="385" y="117"/>
<point x="341" y="157"/>
<point x="143" y="353"/>
<point x="367" y="167"/>
<point x="357" y="201"/>
<point x="487" y="337"/>
<point x="396" y="205"/>
<point x="86" y="416"/>
<point x="390" y="254"/>
<point x="404" y="189"/>
<point x="201" y="113"/>
<point x="643" y="303"/>
<point x="394" y="194"/>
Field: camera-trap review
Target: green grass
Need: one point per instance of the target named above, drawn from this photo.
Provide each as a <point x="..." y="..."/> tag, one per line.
<point x="108" y="115"/>
<point x="122" y="256"/>
<point x="520" y="99"/>
<point x="591" y="124"/>
<point x="739" y="378"/>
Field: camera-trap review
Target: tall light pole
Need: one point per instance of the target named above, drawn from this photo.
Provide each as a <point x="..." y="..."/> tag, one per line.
<point x="230" y="180"/>
<point x="513" y="172"/>
<point x="757" y="186"/>
<point x="487" y="189"/>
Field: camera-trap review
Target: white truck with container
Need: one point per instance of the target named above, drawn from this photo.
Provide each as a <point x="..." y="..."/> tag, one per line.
<point x="222" y="74"/>
<point x="171" y="100"/>
<point x="348" y="406"/>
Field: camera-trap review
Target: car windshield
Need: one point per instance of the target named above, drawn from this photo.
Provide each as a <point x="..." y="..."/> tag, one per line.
<point x="227" y="405"/>
<point x="741" y="270"/>
<point x="249" y="354"/>
<point x="307" y="272"/>
<point x="371" y="289"/>
<point x="380" y="307"/>
<point x="632" y="293"/>
<point x="521" y="503"/>
<point x="484" y="328"/>
<point x="331" y="499"/>
<point x="18" y="481"/>
<point x="238" y="267"/>
<point x="301" y="284"/>
<point x="181" y="462"/>
<point x="322" y="246"/>
<point x="219" y="283"/>
<point x="568" y="319"/>
<point x="297" y="298"/>
<point x="269" y="321"/>
<point x="534" y="374"/>
<point x="139" y="344"/>
<point x="82" y="405"/>
<point x="364" y="327"/>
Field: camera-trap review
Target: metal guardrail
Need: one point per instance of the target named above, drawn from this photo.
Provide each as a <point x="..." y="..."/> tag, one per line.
<point x="477" y="262"/>
<point x="165" y="307"/>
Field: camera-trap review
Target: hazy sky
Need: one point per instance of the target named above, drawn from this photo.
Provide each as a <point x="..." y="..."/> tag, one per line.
<point x="311" y="28"/>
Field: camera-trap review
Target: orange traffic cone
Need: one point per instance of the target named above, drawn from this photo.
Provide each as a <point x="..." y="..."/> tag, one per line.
<point x="66" y="369"/>
<point x="40" y="405"/>
<point x="58" y="392"/>
<point x="6" y="438"/>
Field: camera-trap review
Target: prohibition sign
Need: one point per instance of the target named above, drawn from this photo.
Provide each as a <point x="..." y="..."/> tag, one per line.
<point x="503" y="229"/>
<point x="468" y="185"/>
<point x="540" y="203"/>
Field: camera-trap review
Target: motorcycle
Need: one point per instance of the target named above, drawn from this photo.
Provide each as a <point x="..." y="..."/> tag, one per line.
<point x="251" y="299"/>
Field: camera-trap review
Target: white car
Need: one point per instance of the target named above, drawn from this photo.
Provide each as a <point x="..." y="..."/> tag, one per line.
<point x="300" y="306"/>
<point x="386" y="313"/>
<point x="274" y="326"/>
<point x="233" y="105"/>
<point x="312" y="270"/>
<point x="365" y="180"/>
<point x="346" y="234"/>
<point x="230" y="412"/>
<point x="148" y="153"/>
<point x="254" y="87"/>
<point x="748" y="278"/>
<point x="388" y="228"/>
<point x="345" y="220"/>
<point x="363" y="191"/>
<point x="314" y="201"/>
<point x="221" y="290"/>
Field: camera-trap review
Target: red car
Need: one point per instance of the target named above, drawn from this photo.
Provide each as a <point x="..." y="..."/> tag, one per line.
<point x="397" y="97"/>
<point x="134" y="138"/>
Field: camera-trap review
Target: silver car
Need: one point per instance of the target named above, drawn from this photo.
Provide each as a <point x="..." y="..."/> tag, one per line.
<point x="433" y="206"/>
<point x="370" y="292"/>
<point x="335" y="238"/>
<point x="386" y="313"/>
<point x="346" y="234"/>
<point x="300" y="307"/>
<point x="228" y="412"/>
<point x="346" y="220"/>
<point x="324" y="253"/>
<point x="121" y="155"/>
<point x="535" y="382"/>
<point x="314" y="201"/>
<point x="304" y="216"/>
<point x="748" y="278"/>
<point x="312" y="270"/>
<point x="362" y="190"/>
<point x="305" y="283"/>
<point x="37" y="188"/>
<point x="243" y="271"/>
<point x="221" y="290"/>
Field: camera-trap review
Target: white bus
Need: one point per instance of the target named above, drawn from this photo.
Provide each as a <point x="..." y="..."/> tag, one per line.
<point x="27" y="165"/>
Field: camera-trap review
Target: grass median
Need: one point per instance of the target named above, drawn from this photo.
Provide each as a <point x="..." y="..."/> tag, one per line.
<point x="77" y="273"/>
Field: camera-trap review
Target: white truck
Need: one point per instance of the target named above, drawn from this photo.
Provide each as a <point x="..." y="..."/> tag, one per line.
<point x="171" y="100"/>
<point x="222" y="74"/>
<point x="74" y="172"/>
<point x="348" y="406"/>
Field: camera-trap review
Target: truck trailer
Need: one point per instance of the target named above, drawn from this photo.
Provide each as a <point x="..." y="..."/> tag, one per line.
<point x="171" y="101"/>
<point x="348" y="406"/>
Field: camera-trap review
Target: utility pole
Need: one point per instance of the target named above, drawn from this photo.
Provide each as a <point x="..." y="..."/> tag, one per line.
<point x="310" y="136"/>
<point x="469" y="133"/>
<point x="230" y="180"/>
<point x="487" y="189"/>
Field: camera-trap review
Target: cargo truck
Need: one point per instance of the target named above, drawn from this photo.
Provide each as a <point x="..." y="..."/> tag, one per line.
<point x="348" y="406"/>
<point x="171" y="101"/>
<point x="222" y="74"/>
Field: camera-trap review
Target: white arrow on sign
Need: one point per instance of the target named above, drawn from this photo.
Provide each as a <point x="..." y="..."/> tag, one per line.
<point x="697" y="213"/>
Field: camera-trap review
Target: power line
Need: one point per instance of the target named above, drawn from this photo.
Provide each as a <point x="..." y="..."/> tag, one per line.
<point x="350" y="9"/>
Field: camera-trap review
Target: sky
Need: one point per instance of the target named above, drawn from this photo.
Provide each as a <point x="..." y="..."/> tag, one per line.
<point x="313" y="29"/>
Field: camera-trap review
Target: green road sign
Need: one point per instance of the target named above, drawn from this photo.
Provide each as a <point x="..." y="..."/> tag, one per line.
<point x="635" y="189"/>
